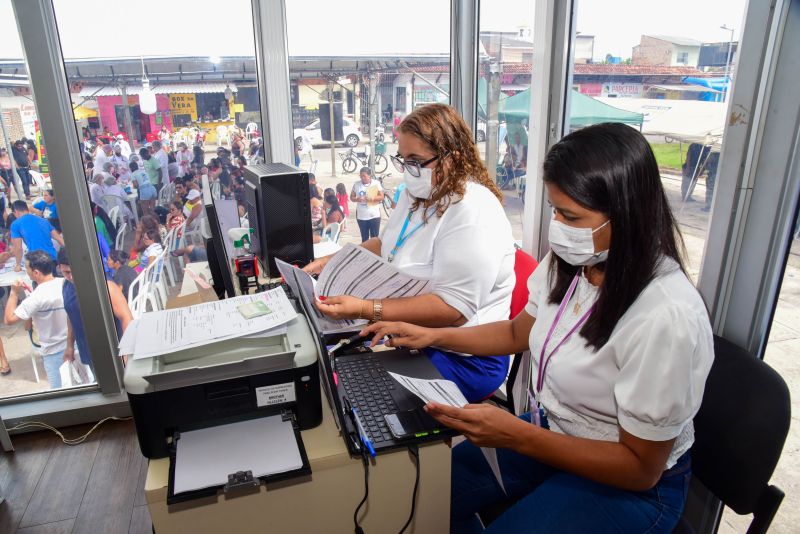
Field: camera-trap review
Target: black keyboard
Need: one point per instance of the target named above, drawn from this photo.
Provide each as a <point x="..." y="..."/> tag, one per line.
<point x="273" y="285"/>
<point x="368" y="387"/>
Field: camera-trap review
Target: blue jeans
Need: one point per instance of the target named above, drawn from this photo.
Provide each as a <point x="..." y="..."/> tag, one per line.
<point x="369" y="228"/>
<point x="51" y="364"/>
<point x="549" y="500"/>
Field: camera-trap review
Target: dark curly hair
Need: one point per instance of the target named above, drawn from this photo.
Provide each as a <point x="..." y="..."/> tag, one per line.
<point x="444" y="131"/>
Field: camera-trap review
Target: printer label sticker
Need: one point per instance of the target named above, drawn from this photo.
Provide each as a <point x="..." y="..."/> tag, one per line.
<point x="275" y="394"/>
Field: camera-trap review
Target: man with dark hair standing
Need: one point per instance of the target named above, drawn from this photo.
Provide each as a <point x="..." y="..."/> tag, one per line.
<point x="36" y="232"/>
<point x="45" y="307"/>
<point x="163" y="161"/>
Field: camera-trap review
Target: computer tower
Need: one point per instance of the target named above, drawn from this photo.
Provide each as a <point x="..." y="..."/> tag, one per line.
<point x="279" y="212"/>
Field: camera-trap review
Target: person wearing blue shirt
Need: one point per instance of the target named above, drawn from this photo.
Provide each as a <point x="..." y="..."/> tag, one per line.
<point x="35" y="232"/>
<point x="46" y="207"/>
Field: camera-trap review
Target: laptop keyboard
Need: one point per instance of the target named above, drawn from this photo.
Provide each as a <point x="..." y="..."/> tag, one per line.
<point x="368" y="387"/>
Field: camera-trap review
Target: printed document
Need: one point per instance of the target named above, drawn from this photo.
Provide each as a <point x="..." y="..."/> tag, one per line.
<point x="438" y="390"/>
<point x="166" y="331"/>
<point x="303" y="284"/>
<point x="358" y="272"/>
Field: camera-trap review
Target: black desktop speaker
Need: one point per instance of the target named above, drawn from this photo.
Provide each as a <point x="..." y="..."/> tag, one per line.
<point x="278" y="208"/>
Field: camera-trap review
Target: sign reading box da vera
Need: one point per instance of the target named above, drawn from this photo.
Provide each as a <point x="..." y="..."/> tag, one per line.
<point x="183" y="104"/>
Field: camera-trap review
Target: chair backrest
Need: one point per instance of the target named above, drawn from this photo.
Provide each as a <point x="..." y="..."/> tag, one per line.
<point x="113" y="214"/>
<point x="119" y="243"/>
<point x="109" y="201"/>
<point x="222" y="130"/>
<point x="740" y="428"/>
<point x="524" y="265"/>
<point x="251" y="127"/>
<point x="166" y="194"/>
<point x="332" y="231"/>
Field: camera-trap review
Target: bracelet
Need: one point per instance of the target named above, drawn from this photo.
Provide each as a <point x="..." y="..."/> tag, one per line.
<point x="377" y="310"/>
<point x="361" y="310"/>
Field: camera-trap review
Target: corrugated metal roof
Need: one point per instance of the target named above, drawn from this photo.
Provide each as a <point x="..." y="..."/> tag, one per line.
<point x="161" y="89"/>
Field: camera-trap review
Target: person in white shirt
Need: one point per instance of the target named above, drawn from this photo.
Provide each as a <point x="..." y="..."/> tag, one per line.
<point x="103" y="155"/>
<point x="45" y="307"/>
<point x="184" y="157"/>
<point x="125" y="146"/>
<point x="368" y="195"/>
<point x="449" y="226"/>
<point x="620" y="348"/>
<point x="153" y="248"/>
<point x="96" y="185"/>
<point x="163" y="161"/>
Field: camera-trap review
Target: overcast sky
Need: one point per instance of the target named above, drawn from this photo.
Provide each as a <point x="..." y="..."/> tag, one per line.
<point x="113" y="28"/>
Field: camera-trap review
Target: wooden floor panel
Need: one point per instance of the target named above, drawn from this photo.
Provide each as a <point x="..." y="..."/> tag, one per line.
<point x="94" y="487"/>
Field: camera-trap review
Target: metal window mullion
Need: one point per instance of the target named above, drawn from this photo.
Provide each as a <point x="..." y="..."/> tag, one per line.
<point x="40" y="43"/>
<point x="549" y="83"/>
<point x="272" y="67"/>
<point x="464" y="56"/>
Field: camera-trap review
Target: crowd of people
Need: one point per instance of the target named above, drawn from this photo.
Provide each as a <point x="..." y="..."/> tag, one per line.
<point x="163" y="181"/>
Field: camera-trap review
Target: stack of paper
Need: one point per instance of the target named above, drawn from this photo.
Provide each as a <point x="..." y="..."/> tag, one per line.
<point x="439" y="390"/>
<point x="353" y="271"/>
<point x="162" y="332"/>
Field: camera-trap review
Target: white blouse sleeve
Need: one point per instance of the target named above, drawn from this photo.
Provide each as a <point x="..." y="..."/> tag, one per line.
<point x="466" y="263"/>
<point x="664" y="362"/>
<point x="538" y="286"/>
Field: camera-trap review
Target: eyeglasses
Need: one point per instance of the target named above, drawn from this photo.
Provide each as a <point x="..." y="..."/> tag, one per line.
<point x="401" y="164"/>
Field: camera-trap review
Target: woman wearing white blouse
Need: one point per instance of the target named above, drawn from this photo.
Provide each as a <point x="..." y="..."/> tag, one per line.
<point x="449" y="227"/>
<point x="620" y="346"/>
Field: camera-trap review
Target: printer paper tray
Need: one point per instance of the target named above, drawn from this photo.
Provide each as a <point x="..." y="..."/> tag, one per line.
<point x="222" y="440"/>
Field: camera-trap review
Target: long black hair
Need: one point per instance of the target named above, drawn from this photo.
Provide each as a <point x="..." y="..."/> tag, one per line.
<point x="611" y="168"/>
<point x="97" y="211"/>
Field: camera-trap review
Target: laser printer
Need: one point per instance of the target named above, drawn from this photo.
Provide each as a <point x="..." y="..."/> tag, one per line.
<point x="225" y="382"/>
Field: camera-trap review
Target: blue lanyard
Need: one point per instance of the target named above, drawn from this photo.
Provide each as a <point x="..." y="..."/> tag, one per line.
<point x="402" y="238"/>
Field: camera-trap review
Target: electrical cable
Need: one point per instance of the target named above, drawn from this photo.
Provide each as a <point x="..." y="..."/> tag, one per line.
<point x="365" y="460"/>
<point x="68" y="441"/>
<point x="413" y="450"/>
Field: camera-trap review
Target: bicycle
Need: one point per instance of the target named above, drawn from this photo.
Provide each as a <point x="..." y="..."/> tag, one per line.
<point x="351" y="160"/>
<point x="388" y="194"/>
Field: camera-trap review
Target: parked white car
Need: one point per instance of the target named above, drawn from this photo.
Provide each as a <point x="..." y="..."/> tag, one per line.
<point x="352" y="134"/>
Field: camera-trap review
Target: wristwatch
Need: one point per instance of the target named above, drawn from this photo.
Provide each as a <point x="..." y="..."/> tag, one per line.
<point x="377" y="310"/>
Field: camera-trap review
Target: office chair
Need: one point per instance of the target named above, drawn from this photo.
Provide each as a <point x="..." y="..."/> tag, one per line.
<point x="739" y="435"/>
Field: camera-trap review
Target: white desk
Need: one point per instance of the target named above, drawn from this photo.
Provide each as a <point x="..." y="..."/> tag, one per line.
<point x="7" y="278"/>
<point x="326" y="502"/>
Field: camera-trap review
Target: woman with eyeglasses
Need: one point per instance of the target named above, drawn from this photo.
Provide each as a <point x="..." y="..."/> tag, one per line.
<point x="620" y="348"/>
<point x="449" y="226"/>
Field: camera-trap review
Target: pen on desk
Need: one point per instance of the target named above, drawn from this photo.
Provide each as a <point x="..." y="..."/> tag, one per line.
<point x="348" y="408"/>
<point x="364" y="439"/>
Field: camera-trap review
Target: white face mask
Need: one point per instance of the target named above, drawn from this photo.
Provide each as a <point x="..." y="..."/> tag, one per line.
<point x="575" y="245"/>
<point x="419" y="186"/>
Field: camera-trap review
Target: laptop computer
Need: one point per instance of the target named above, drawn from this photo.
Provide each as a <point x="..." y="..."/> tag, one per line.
<point x="357" y="376"/>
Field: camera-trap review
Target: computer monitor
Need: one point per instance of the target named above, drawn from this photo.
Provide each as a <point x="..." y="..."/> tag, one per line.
<point x="220" y="254"/>
<point x="277" y="202"/>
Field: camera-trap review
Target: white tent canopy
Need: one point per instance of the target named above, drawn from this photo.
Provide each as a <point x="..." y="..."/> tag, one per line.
<point x="688" y="121"/>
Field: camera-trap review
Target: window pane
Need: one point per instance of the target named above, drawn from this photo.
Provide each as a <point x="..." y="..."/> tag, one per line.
<point x="384" y="67"/>
<point x="665" y="73"/>
<point x="162" y="115"/>
<point x="504" y="98"/>
<point x="32" y="348"/>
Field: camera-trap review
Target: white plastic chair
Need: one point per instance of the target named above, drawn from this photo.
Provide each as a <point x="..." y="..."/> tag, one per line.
<point x="223" y="134"/>
<point x="39" y="181"/>
<point x="188" y="136"/>
<point x="166" y="195"/>
<point x="113" y="214"/>
<point x="332" y="232"/>
<point x="171" y="244"/>
<point x="112" y="201"/>
<point x="119" y="243"/>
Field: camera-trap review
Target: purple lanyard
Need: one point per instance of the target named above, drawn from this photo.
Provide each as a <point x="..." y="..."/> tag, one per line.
<point x="543" y="362"/>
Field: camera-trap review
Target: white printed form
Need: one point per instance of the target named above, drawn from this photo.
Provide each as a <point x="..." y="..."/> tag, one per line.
<point x="167" y="331"/>
<point x="439" y="390"/>
<point x="358" y="272"/>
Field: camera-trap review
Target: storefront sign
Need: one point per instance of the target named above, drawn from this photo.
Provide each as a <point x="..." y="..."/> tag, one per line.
<point x="591" y="89"/>
<point x="183" y="104"/>
<point x="622" y="90"/>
